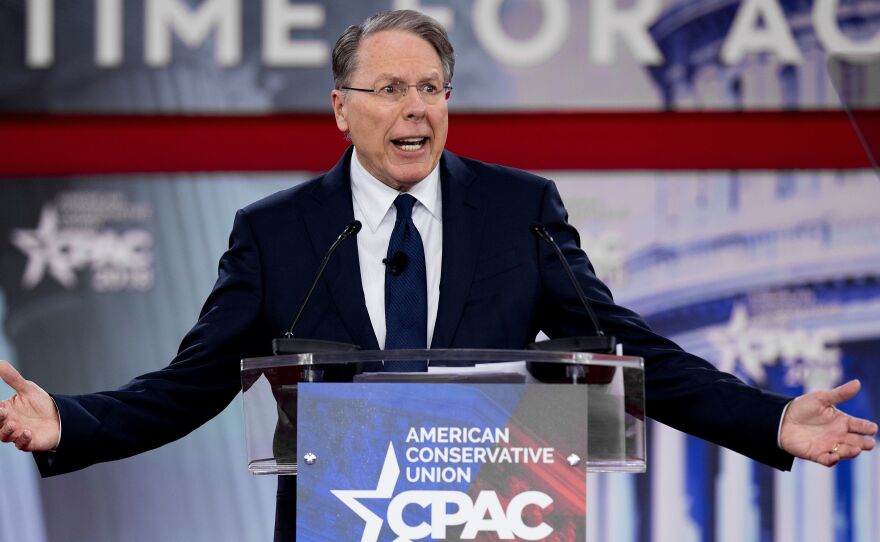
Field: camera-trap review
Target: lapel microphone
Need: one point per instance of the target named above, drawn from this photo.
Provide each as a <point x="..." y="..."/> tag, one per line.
<point x="290" y="345"/>
<point x="397" y="263"/>
<point x="599" y="343"/>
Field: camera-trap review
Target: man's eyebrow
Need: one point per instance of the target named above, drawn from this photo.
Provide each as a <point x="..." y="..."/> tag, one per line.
<point x="386" y="77"/>
<point x="433" y="74"/>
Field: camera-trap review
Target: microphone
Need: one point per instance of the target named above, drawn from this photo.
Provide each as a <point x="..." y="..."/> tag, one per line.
<point x="599" y="343"/>
<point x="397" y="263"/>
<point x="291" y="345"/>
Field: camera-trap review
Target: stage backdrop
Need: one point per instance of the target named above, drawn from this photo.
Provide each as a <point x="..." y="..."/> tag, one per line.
<point x="770" y="274"/>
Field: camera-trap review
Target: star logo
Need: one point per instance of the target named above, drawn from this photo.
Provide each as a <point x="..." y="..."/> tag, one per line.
<point x="46" y="249"/>
<point x="810" y="357"/>
<point x="384" y="490"/>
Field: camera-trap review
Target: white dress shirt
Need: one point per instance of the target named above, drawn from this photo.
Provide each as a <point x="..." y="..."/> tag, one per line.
<point x="373" y="203"/>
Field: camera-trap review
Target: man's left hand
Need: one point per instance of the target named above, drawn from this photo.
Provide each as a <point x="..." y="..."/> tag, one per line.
<point x="814" y="429"/>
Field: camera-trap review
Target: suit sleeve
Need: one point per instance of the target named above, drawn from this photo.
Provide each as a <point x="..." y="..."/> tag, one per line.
<point x="162" y="406"/>
<point x="682" y="390"/>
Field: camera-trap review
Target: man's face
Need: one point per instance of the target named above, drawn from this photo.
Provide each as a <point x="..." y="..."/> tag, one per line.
<point x="399" y="143"/>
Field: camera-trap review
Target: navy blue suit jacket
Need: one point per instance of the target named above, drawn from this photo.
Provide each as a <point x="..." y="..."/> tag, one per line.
<point x="499" y="287"/>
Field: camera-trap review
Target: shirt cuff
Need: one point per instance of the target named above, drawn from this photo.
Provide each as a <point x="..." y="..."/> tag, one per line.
<point x="778" y="431"/>
<point x="57" y="444"/>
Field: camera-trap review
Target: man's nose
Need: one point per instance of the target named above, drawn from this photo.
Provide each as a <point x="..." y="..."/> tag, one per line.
<point x="413" y="104"/>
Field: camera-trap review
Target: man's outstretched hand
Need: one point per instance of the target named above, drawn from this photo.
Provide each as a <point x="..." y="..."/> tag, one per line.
<point x="29" y="418"/>
<point x="814" y="429"/>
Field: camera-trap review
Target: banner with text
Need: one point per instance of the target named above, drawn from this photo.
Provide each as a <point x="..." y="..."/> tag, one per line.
<point x="274" y="55"/>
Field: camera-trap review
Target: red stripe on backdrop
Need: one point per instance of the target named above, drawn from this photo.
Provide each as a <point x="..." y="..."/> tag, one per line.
<point x="46" y="145"/>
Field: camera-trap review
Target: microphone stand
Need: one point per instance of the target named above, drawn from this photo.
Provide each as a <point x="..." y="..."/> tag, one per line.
<point x="289" y="344"/>
<point x="598" y="343"/>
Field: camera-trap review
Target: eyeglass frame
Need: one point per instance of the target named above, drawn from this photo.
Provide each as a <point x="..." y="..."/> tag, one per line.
<point x="445" y="86"/>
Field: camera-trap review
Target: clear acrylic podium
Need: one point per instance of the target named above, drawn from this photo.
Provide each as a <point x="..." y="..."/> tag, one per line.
<point x="611" y="390"/>
<point x="487" y="444"/>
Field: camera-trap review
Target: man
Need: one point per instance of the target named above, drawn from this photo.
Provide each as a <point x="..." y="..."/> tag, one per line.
<point x="475" y="277"/>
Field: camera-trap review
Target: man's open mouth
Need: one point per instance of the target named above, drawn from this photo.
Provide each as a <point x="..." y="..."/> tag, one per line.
<point x="410" y="144"/>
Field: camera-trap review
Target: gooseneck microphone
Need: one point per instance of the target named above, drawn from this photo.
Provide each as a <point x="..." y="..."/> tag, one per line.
<point x="600" y="343"/>
<point x="291" y="345"/>
<point x="397" y="263"/>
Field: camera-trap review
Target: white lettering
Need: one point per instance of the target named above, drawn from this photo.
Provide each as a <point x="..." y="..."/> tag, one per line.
<point x="39" y="47"/>
<point x="420" y="498"/>
<point x="486" y="515"/>
<point x="428" y="434"/>
<point x="834" y="41"/>
<point x="487" y="503"/>
<point x="192" y="27"/>
<point x="746" y="36"/>
<point x="455" y="435"/>
<point x="438" y="474"/>
<point x="812" y="358"/>
<point x="480" y="455"/>
<point x="108" y="33"/>
<point x="514" y="515"/>
<point x="544" y="44"/>
<point x="279" y="18"/>
<point x="428" y="455"/>
<point x="630" y="24"/>
<point x="120" y="260"/>
<point x="441" y="518"/>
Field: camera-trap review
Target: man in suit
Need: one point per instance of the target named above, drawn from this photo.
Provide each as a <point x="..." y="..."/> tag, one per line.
<point x="476" y="277"/>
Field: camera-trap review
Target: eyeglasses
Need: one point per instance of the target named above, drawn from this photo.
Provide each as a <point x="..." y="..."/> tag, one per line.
<point x="431" y="93"/>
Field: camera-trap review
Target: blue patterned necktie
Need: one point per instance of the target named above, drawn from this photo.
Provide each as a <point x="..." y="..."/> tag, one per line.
<point x="406" y="288"/>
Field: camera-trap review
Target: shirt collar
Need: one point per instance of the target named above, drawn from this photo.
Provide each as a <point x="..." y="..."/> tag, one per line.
<point x="375" y="198"/>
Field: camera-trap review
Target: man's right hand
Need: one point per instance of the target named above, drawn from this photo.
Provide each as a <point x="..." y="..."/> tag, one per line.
<point x="29" y="418"/>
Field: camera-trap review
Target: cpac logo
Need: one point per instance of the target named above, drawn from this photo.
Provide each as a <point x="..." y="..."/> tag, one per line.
<point x="810" y="356"/>
<point x="119" y="260"/>
<point x="486" y="514"/>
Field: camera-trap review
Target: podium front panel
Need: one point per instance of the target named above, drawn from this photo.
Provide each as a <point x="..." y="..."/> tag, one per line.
<point x="484" y="444"/>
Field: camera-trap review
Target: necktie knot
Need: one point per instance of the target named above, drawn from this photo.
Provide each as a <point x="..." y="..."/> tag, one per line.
<point x="404" y="204"/>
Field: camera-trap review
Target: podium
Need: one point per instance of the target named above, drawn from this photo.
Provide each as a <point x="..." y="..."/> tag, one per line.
<point x="486" y="444"/>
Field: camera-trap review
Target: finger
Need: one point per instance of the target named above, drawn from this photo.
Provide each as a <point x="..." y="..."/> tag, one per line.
<point x="828" y="459"/>
<point x="859" y="443"/>
<point x="12" y="377"/>
<point x="848" y="451"/>
<point x="844" y="392"/>
<point x="851" y="446"/>
<point x="862" y="427"/>
<point x="868" y="443"/>
<point x="22" y="441"/>
<point x="16" y="435"/>
<point x="6" y="432"/>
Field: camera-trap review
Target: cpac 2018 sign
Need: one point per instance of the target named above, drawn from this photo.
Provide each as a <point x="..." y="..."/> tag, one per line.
<point x="485" y="514"/>
<point x="759" y="26"/>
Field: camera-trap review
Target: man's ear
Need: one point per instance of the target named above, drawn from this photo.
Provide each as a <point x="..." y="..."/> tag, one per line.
<point x="337" y="100"/>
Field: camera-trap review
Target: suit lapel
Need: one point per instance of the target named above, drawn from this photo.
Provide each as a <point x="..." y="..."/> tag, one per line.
<point x="463" y="218"/>
<point x="325" y="220"/>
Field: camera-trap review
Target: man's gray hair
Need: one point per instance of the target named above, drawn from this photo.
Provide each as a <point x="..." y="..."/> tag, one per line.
<point x="346" y="48"/>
